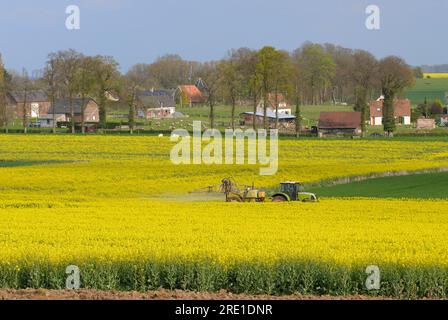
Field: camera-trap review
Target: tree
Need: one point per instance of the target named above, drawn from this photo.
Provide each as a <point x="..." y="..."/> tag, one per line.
<point x="171" y="70"/>
<point x="282" y="80"/>
<point x="418" y="72"/>
<point x="66" y="65"/>
<point x="209" y="82"/>
<point x="395" y="76"/>
<point x="4" y="121"/>
<point x="318" y="68"/>
<point x="25" y="86"/>
<point x="364" y="75"/>
<point x="268" y="61"/>
<point x="231" y="79"/>
<point x="130" y="85"/>
<point x="106" y="80"/>
<point x="297" y="86"/>
<point x="50" y="80"/>
<point x="85" y="84"/>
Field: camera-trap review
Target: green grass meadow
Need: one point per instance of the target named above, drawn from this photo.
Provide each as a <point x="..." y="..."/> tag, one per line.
<point x="420" y="186"/>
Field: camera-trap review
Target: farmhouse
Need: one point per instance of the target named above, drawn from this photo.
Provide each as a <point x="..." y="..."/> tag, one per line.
<point x="62" y="110"/>
<point x="190" y="95"/>
<point x="283" y="107"/>
<point x="285" y="121"/>
<point x="34" y="103"/>
<point x="402" y="111"/>
<point x="156" y="104"/>
<point x="339" y="123"/>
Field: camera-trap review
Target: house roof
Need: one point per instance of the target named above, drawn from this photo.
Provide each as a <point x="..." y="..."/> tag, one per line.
<point x="193" y="93"/>
<point x="31" y="96"/>
<point x="156" y="93"/>
<point x="280" y="99"/>
<point x="271" y="115"/>
<point x="340" y="120"/>
<point x="156" y="101"/>
<point x="62" y="106"/>
<point x="402" y="108"/>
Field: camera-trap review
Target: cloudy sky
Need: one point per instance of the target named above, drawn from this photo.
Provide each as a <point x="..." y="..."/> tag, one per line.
<point x="136" y="31"/>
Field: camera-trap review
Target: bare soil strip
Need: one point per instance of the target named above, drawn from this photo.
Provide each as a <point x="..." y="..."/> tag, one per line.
<point x="33" y="294"/>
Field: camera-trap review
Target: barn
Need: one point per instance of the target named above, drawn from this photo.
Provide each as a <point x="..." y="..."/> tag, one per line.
<point x="339" y="123"/>
<point x="34" y="103"/>
<point x="63" y="110"/>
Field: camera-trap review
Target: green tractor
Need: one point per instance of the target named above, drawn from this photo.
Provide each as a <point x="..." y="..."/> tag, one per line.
<point x="293" y="191"/>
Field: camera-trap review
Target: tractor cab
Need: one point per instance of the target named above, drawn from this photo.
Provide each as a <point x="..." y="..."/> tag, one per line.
<point x="292" y="189"/>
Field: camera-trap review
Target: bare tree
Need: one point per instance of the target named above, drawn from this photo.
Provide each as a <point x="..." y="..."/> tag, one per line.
<point x="209" y="82"/>
<point x="365" y="78"/>
<point x="4" y="117"/>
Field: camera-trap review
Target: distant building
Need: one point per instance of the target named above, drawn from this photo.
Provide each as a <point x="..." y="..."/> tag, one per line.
<point x="190" y="95"/>
<point x="402" y="111"/>
<point x="34" y="103"/>
<point x="285" y="121"/>
<point x="63" y="110"/>
<point x="283" y="107"/>
<point x="339" y="123"/>
<point x="426" y="124"/>
<point x="156" y="104"/>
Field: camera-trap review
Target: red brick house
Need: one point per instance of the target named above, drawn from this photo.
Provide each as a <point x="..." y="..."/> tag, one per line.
<point x="402" y="111"/>
<point x="35" y="103"/>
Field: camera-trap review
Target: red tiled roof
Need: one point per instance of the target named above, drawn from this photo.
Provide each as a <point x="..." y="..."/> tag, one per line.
<point x="340" y="120"/>
<point x="193" y="93"/>
<point x="402" y="107"/>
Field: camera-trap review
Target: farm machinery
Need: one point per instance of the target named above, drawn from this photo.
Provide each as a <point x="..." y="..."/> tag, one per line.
<point x="289" y="191"/>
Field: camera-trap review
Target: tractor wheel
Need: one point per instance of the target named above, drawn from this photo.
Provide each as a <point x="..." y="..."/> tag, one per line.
<point x="279" y="199"/>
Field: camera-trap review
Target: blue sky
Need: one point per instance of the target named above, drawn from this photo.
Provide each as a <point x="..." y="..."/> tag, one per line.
<point x="135" y="31"/>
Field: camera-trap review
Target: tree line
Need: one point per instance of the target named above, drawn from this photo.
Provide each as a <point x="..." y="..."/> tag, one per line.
<point x="310" y="75"/>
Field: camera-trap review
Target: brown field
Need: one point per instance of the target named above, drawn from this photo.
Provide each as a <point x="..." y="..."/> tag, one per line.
<point x="38" y="294"/>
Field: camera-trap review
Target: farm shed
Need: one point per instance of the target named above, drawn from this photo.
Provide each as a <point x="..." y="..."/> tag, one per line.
<point x="35" y="103"/>
<point x="426" y="124"/>
<point x="285" y="121"/>
<point x="283" y="107"/>
<point x="156" y="104"/>
<point x="62" y="110"/>
<point x="190" y="95"/>
<point x="331" y="123"/>
<point x="402" y="111"/>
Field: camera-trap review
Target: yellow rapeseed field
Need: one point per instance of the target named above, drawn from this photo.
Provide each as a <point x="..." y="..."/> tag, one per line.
<point x="107" y="199"/>
<point x="438" y="75"/>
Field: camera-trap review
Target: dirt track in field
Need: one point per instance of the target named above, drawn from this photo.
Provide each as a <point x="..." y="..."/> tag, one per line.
<point x="32" y="294"/>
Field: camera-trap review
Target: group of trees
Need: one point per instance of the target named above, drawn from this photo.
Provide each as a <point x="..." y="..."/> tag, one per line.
<point x="70" y="74"/>
<point x="311" y="74"/>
